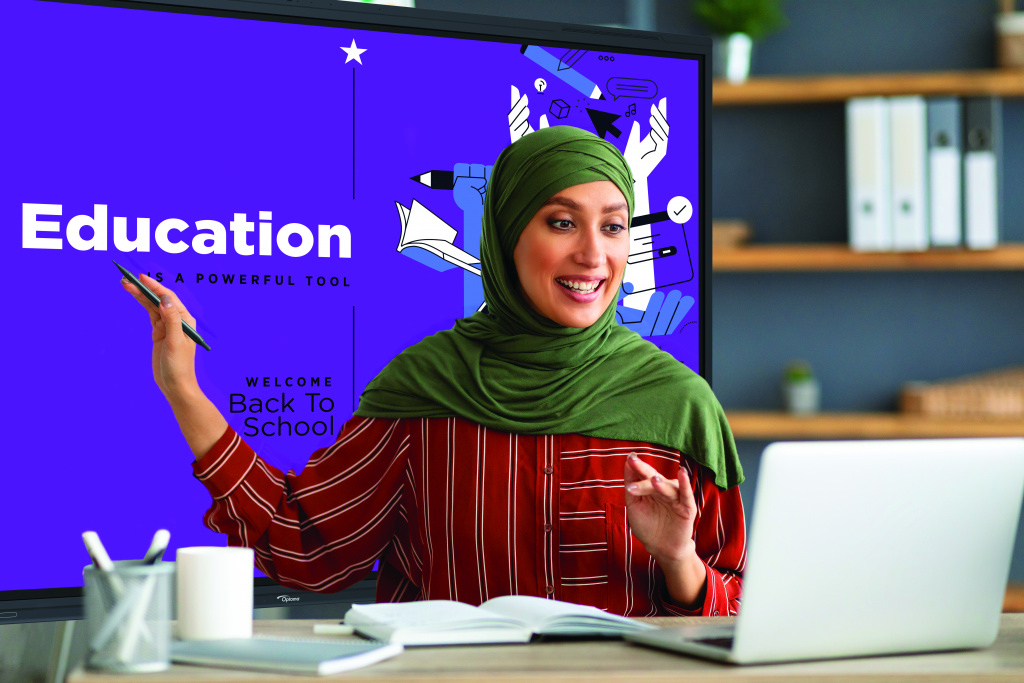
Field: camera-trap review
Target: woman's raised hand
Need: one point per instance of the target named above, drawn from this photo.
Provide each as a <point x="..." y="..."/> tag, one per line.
<point x="661" y="511"/>
<point x="173" y="353"/>
<point x="661" y="514"/>
<point x="174" y="368"/>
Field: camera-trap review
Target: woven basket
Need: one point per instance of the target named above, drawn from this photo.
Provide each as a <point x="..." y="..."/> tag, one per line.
<point x="997" y="394"/>
<point x="727" y="234"/>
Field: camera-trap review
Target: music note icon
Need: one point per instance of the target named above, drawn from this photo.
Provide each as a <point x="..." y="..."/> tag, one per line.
<point x="631" y="109"/>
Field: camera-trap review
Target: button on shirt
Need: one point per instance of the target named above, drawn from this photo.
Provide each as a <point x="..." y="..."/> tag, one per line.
<point x="457" y="511"/>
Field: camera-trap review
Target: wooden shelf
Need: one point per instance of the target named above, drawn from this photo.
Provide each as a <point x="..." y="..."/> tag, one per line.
<point x="1014" y="600"/>
<point x="830" y="257"/>
<point x="769" y="425"/>
<point x="808" y="89"/>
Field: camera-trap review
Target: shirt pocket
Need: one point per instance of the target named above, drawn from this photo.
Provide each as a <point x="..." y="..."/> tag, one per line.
<point x="583" y="553"/>
<point x="630" y="567"/>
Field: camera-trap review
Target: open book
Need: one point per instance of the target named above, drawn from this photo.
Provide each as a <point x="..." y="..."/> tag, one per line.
<point x="429" y="240"/>
<point x="508" y="619"/>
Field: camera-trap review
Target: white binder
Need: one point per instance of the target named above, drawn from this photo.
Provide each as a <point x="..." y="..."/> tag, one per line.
<point x="945" y="159"/>
<point x="867" y="156"/>
<point x="908" y="128"/>
<point x="982" y="132"/>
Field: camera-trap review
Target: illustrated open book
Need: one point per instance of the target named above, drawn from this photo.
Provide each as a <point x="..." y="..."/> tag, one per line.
<point x="429" y="240"/>
<point x="508" y="619"/>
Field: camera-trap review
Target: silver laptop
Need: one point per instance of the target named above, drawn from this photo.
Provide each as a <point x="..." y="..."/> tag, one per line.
<point x="870" y="547"/>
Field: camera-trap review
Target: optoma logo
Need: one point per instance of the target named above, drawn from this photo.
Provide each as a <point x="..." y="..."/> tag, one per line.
<point x="287" y="598"/>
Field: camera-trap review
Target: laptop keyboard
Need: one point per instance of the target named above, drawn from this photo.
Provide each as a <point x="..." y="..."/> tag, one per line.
<point x="725" y="643"/>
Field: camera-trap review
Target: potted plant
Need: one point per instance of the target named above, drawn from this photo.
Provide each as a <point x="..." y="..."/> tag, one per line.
<point x="735" y="25"/>
<point x="801" y="393"/>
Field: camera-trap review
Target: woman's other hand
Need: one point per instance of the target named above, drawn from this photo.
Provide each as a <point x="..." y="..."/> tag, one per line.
<point x="173" y="352"/>
<point x="662" y="513"/>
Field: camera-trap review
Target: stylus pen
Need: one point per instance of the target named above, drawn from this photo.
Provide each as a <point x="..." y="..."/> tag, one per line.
<point x="134" y="625"/>
<point x="97" y="553"/>
<point x="115" y="620"/>
<point x="123" y="599"/>
<point x="189" y="330"/>
<point x="157" y="547"/>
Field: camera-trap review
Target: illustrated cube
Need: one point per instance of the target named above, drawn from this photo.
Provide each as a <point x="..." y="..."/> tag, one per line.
<point x="559" y="109"/>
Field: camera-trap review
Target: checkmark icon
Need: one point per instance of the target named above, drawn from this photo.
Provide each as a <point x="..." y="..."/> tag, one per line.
<point x="679" y="209"/>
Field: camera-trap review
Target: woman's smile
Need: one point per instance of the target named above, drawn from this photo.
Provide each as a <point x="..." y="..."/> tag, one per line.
<point x="582" y="289"/>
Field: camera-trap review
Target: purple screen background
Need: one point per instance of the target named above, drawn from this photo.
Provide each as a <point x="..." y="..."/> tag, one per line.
<point x="162" y="115"/>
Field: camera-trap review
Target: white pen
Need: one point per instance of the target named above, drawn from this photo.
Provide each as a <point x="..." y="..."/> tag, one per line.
<point x="97" y="552"/>
<point x="114" y="619"/>
<point x="157" y="547"/>
<point x="135" y="625"/>
<point x="101" y="560"/>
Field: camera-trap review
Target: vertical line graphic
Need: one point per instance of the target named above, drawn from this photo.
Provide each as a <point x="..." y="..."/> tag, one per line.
<point x="353" y="140"/>
<point x="353" y="359"/>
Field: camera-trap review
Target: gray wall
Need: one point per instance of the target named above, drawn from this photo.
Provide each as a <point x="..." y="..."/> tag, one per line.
<point x="783" y="169"/>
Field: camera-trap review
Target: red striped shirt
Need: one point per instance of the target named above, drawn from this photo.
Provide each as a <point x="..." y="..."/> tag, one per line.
<point x="457" y="511"/>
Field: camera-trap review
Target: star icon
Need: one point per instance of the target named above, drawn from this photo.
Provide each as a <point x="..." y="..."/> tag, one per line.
<point x="353" y="52"/>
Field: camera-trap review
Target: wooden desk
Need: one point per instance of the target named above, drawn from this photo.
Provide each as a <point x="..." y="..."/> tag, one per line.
<point x="618" y="661"/>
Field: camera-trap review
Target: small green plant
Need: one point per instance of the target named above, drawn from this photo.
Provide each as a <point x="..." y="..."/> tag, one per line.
<point x="798" y="371"/>
<point x="756" y="18"/>
<point x="801" y="393"/>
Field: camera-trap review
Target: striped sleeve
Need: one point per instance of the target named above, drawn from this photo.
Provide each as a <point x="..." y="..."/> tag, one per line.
<point x="721" y="540"/>
<point x="320" y="530"/>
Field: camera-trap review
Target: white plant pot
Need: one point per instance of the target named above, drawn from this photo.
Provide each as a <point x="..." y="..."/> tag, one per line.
<point x="730" y="57"/>
<point x="802" y="397"/>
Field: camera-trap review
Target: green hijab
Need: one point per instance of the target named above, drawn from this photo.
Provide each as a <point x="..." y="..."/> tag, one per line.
<point x="511" y="369"/>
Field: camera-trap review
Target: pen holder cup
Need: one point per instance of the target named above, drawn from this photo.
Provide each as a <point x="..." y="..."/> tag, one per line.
<point x="128" y="616"/>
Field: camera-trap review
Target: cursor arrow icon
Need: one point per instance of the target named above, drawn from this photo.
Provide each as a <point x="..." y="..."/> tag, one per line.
<point x="603" y="121"/>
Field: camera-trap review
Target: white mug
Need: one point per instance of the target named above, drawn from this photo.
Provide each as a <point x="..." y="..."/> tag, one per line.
<point x="214" y="593"/>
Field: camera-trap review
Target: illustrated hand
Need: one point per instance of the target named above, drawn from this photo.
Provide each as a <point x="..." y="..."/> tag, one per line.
<point x="174" y="354"/>
<point x="518" y="116"/>
<point x="661" y="512"/>
<point x="644" y="155"/>
<point x="470" y="191"/>
<point x="471" y="186"/>
<point x="662" y="316"/>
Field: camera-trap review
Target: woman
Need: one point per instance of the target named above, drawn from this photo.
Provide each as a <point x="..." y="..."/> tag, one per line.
<point x="490" y="459"/>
